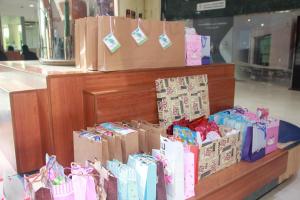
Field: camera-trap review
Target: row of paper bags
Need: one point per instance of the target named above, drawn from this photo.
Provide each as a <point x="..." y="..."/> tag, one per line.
<point x="109" y="141"/>
<point x="91" y="53"/>
<point x="259" y="131"/>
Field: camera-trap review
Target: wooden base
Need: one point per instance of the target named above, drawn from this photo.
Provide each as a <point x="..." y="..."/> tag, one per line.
<point x="242" y="179"/>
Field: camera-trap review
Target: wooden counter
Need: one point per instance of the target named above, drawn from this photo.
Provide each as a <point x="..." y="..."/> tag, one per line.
<point x="47" y="103"/>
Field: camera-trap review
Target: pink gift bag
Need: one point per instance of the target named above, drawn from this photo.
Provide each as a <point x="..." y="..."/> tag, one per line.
<point x="83" y="183"/>
<point x="272" y="135"/>
<point x="189" y="175"/>
<point x="193" y="49"/>
<point x="64" y="191"/>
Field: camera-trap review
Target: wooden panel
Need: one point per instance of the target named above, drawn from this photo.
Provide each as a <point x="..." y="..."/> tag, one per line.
<point x="240" y="180"/>
<point x="7" y="144"/>
<point x="66" y="98"/>
<point x="45" y="122"/>
<point x="89" y="109"/>
<point x="27" y="130"/>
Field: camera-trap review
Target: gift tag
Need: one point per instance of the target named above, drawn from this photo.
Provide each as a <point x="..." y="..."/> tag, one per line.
<point x="111" y="42"/>
<point x="164" y="41"/>
<point x="139" y="36"/>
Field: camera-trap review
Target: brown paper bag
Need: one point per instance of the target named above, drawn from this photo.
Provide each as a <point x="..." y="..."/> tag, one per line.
<point x="82" y="43"/>
<point x="114" y="147"/>
<point x="148" y="55"/>
<point x="91" y="43"/>
<point x="130" y="145"/>
<point x="154" y="131"/>
<point x="85" y="149"/>
<point x="77" y="43"/>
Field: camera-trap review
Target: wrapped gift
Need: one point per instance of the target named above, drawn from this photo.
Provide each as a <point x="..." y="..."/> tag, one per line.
<point x="127" y="181"/>
<point x="146" y="172"/>
<point x="174" y="153"/>
<point x="193" y="49"/>
<point x="185" y="134"/>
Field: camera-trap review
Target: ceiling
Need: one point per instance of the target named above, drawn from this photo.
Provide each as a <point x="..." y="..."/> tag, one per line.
<point x="19" y="8"/>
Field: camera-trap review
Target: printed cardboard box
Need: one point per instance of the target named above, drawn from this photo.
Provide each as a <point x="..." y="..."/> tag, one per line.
<point x="182" y="97"/>
<point x="219" y="154"/>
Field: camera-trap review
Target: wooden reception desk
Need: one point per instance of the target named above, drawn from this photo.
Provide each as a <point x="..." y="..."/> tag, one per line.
<point x="41" y="106"/>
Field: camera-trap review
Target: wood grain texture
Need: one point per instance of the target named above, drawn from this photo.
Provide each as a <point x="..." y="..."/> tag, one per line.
<point x="66" y="100"/>
<point x="27" y="130"/>
<point x="242" y="179"/>
<point x="66" y="93"/>
<point x="45" y="122"/>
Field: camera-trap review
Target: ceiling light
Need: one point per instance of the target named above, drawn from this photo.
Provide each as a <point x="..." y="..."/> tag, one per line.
<point x="262" y="25"/>
<point x="249" y="20"/>
<point x="31" y="5"/>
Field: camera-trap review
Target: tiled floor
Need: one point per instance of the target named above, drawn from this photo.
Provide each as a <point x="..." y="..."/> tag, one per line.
<point x="283" y="103"/>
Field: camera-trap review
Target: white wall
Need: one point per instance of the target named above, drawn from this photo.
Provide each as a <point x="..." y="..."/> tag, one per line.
<point x="279" y="25"/>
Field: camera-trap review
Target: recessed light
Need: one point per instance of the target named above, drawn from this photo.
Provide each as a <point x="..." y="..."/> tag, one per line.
<point x="249" y="20"/>
<point x="31" y="5"/>
<point x="262" y="25"/>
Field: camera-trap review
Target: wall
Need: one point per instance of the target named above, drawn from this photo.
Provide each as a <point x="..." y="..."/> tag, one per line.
<point x="279" y="25"/>
<point x="134" y="5"/>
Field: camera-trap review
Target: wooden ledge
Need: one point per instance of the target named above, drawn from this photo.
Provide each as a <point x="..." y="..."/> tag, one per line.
<point x="242" y="179"/>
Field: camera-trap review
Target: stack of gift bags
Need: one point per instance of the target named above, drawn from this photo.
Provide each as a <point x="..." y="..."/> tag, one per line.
<point x="259" y="131"/>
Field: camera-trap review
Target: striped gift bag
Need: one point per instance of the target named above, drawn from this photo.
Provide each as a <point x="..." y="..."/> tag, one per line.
<point x="64" y="191"/>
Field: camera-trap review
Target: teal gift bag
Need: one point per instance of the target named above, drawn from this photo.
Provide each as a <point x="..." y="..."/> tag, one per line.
<point x="146" y="173"/>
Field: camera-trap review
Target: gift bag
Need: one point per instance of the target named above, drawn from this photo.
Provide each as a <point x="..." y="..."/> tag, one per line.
<point x="255" y="142"/>
<point x="174" y="153"/>
<point x="108" y="188"/>
<point x="35" y="187"/>
<point x="161" y="184"/>
<point x="83" y="182"/>
<point x="63" y="191"/>
<point x="127" y="182"/>
<point x="193" y="49"/>
<point x="205" y="43"/>
<point x="145" y="168"/>
<point x="195" y="150"/>
<point x="272" y="135"/>
<point x="129" y="139"/>
<point x="189" y="179"/>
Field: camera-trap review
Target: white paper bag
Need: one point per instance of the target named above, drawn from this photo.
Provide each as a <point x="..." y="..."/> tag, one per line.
<point x="174" y="153"/>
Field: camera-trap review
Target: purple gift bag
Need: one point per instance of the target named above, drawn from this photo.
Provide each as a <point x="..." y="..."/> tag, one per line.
<point x="248" y="153"/>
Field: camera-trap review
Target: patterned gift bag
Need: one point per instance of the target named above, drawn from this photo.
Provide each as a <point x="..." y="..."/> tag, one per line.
<point x="145" y="168"/>
<point x="63" y="191"/>
<point x="189" y="175"/>
<point x="272" y="135"/>
<point x="193" y="49"/>
<point x="127" y="182"/>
